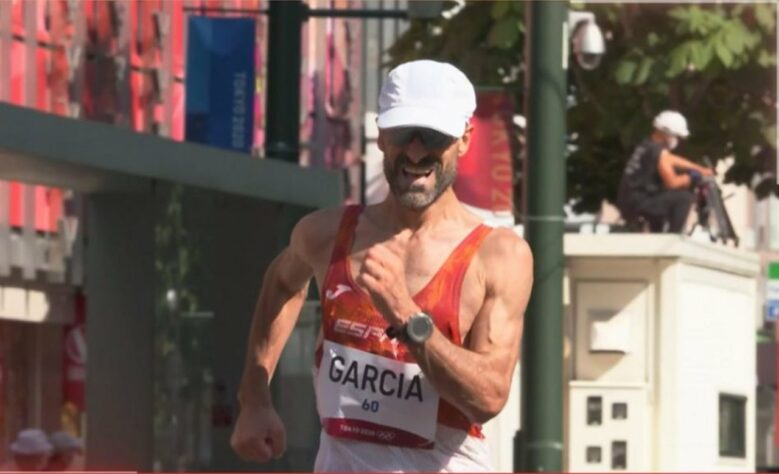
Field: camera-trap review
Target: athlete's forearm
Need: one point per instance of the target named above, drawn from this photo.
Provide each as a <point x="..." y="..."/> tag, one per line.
<point x="470" y="381"/>
<point x="275" y="315"/>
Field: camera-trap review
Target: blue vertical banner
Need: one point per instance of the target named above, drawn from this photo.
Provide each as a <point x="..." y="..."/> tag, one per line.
<point x="220" y="82"/>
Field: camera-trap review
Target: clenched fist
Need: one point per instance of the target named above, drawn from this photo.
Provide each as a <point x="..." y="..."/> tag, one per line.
<point x="383" y="274"/>
<point x="259" y="434"/>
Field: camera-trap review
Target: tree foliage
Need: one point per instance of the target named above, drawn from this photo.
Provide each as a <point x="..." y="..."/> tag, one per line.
<point x="714" y="63"/>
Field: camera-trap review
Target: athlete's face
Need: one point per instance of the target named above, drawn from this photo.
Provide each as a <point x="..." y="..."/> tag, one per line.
<point x="420" y="163"/>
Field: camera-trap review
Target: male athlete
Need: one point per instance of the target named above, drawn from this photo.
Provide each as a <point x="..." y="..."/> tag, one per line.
<point x="422" y="304"/>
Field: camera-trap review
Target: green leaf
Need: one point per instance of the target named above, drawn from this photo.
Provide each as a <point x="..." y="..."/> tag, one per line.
<point x="705" y="55"/>
<point x="769" y="133"/>
<point x="735" y="39"/>
<point x="499" y="9"/>
<point x="652" y="39"/>
<point x="643" y="71"/>
<point x="724" y="54"/>
<point x="766" y="59"/>
<point x="624" y="72"/>
<point x="680" y="14"/>
<point x="765" y="15"/>
<point x="504" y="34"/>
<point x="677" y="61"/>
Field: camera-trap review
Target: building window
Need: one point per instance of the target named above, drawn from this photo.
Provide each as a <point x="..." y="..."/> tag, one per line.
<point x="619" y="455"/>
<point x="594" y="410"/>
<point x="619" y="411"/>
<point x="732" y="426"/>
<point x="593" y="455"/>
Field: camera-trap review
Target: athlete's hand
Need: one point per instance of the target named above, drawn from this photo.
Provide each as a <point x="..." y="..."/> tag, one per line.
<point x="383" y="274"/>
<point x="259" y="434"/>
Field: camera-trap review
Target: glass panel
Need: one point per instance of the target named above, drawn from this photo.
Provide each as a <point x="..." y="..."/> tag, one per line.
<point x="593" y="454"/>
<point x="619" y="411"/>
<point x="732" y="426"/>
<point x="619" y="455"/>
<point x="211" y="252"/>
<point x="187" y="401"/>
<point x="594" y="410"/>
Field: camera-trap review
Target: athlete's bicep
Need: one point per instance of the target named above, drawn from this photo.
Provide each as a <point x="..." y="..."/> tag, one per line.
<point x="292" y="269"/>
<point x="497" y="328"/>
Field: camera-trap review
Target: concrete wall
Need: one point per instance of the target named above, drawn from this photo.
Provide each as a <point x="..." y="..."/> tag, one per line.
<point x="120" y="315"/>
<point x="714" y="340"/>
<point x="689" y="309"/>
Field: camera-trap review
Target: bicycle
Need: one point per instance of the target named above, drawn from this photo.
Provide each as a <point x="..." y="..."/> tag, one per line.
<point x="713" y="217"/>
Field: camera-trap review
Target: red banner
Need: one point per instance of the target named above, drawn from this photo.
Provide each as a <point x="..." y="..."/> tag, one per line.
<point x="485" y="173"/>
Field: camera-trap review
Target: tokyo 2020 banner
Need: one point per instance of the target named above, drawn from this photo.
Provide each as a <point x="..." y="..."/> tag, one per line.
<point x="220" y="82"/>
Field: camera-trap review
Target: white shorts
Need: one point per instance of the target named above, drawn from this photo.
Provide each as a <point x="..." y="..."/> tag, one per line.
<point x="454" y="451"/>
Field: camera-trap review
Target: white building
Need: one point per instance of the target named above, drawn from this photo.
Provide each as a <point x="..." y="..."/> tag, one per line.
<point x="660" y="357"/>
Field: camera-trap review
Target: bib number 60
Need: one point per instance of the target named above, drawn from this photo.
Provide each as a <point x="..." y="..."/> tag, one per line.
<point x="371" y="406"/>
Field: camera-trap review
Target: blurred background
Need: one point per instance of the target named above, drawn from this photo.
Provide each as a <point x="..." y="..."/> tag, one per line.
<point x="155" y="154"/>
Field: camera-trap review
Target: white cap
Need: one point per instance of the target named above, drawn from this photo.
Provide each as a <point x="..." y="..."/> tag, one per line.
<point x="427" y="94"/>
<point x="672" y="123"/>
<point x="31" y="441"/>
<point x="63" y="441"/>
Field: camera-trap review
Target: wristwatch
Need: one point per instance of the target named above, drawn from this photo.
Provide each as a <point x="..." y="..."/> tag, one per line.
<point x="417" y="329"/>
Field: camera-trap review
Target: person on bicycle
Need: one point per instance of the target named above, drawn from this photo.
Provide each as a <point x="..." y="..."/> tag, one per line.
<point x="656" y="183"/>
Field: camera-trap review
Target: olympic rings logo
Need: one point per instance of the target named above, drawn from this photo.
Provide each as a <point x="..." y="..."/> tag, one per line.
<point x="385" y="435"/>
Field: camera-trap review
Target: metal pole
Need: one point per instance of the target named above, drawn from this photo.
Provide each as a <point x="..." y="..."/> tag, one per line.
<point x="282" y="122"/>
<point x="542" y="379"/>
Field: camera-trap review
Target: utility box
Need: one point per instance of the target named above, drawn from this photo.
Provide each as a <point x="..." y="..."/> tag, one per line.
<point x="660" y="360"/>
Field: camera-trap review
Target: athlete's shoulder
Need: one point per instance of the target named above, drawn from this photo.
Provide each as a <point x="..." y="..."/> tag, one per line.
<point x="503" y="247"/>
<point x="506" y="262"/>
<point x="322" y="220"/>
<point x="319" y="228"/>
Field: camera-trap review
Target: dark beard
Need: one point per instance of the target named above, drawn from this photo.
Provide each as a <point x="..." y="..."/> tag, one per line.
<point x="415" y="197"/>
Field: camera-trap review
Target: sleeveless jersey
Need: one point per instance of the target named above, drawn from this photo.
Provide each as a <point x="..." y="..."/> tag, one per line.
<point x="640" y="178"/>
<point x="369" y="388"/>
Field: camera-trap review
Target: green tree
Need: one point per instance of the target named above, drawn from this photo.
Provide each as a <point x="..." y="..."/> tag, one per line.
<point x="714" y="63"/>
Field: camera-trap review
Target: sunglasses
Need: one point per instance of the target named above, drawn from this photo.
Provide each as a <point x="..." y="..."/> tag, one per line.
<point x="431" y="139"/>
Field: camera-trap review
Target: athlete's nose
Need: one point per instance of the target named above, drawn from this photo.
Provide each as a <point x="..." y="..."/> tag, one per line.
<point x="416" y="150"/>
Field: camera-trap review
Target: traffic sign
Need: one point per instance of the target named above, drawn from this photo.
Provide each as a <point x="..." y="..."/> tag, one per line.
<point x="772" y="310"/>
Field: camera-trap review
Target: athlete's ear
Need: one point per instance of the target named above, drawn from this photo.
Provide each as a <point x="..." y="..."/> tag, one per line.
<point x="465" y="141"/>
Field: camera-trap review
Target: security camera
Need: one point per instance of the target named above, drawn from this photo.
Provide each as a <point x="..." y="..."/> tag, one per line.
<point x="588" y="61"/>
<point x="588" y="44"/>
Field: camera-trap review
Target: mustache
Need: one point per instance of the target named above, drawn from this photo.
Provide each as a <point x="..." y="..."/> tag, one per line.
<point x="427" y="161"/>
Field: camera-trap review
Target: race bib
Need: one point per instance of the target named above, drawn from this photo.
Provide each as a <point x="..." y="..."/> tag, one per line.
<point x="365" y="396"/>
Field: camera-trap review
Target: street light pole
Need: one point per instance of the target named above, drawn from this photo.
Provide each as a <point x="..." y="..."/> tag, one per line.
<point x="542" y="361"/>
<point x="282" y="119"/>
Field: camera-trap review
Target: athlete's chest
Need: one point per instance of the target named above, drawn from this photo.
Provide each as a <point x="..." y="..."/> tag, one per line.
<point x="434" y="271"/>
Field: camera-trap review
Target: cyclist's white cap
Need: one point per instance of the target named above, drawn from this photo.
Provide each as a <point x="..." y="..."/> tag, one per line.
<point x="427" y="94"/>
<point x="672" y="123"/>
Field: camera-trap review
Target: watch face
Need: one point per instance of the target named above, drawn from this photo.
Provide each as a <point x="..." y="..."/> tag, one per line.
<point x="420" y="327"/>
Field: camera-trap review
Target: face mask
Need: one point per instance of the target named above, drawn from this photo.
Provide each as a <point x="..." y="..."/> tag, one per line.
<point x="673" y="142"/>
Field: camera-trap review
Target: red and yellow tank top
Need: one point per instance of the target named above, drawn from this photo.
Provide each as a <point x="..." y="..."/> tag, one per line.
<point x="369" y="387"/>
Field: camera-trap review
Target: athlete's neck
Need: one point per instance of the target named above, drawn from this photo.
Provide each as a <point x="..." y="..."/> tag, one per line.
<point x="446" y="207"/>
